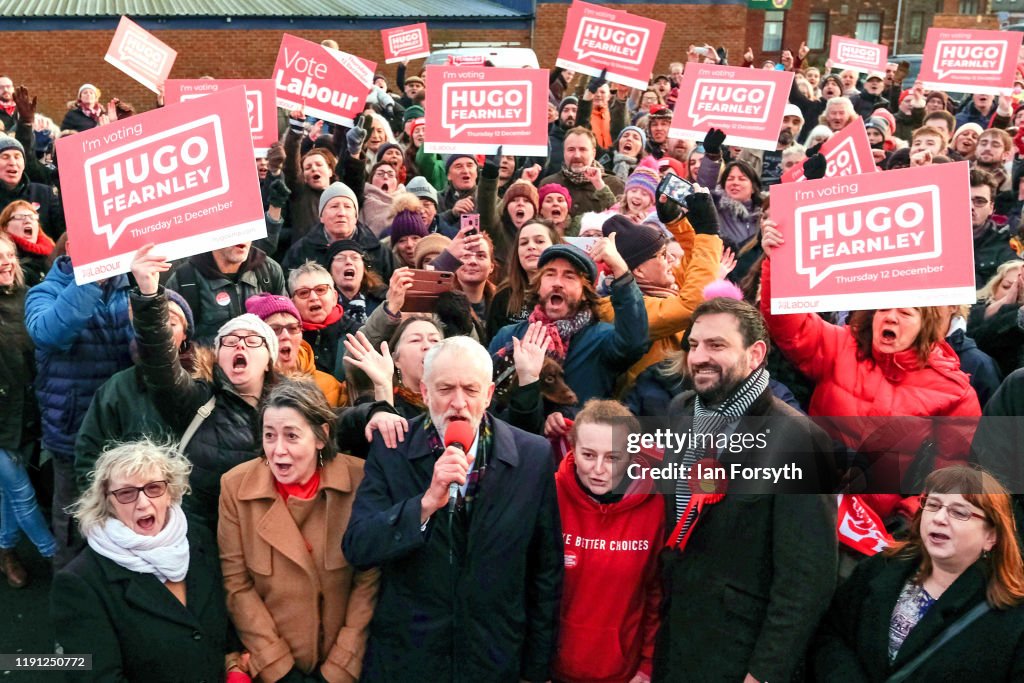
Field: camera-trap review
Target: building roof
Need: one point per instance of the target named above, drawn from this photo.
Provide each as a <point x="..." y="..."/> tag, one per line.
<point x="334" y="9"/>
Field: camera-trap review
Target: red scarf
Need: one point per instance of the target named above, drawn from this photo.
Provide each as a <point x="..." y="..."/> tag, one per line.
<point x="333" y="317"/>
<point x="9" y="108"/>
<point x="300" y="491"/>
<point x="41" y="247"/>
<point x="95" y="113"/>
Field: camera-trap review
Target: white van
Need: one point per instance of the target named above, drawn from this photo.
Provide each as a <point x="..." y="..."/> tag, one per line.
<point x="512" y="57"/>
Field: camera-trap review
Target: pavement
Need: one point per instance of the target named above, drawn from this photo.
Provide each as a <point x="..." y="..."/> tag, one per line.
<point x="25" y="626"/>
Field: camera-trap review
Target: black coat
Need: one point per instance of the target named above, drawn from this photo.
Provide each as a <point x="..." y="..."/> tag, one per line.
<point x="757" y="572"/>
<point x="991" y="250"/>
<point x="19" y="419"/>
<point x="490" y="616"/>
<point x="134" y="627"/>
<point x="314" y="246"/>
<point x="228" y="437"/>
<point x="852" y="644"/>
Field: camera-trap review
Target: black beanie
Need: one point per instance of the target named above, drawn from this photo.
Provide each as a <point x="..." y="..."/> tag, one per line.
<point x="636" y="243"/>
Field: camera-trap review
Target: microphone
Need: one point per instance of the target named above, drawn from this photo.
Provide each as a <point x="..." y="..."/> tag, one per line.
<point x="459" y="434"/>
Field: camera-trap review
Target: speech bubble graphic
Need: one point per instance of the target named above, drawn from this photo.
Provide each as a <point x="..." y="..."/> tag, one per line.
<point x="254" y="104"/>
<point x="970" y="57"/>
<point x="135" y="48"/>
<point x="142" y="179"/>
<point x="405" y="42"/>
<point x="722" y="99"/>
<point x="495" y="104"/>
<point x="886" y="228"/>
<point x="610" y="41"/>
<point x="859" y="54"/>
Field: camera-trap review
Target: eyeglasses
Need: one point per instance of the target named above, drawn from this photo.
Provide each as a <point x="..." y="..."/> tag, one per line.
<point x="980" y="201"/>
<point x="381" y="173"/>
<point x="253" y="341"/>
<point x="130" y="494"/>
<point x="304" y="293"/>
<point x="957" y="512"/>
<point x="348" y="257"/>
<point x="292" y="328"/>
<point x="25" y="217"/>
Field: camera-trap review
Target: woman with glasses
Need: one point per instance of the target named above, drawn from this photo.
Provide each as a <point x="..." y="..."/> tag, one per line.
<point x="146" y="598"/>
<point x="20" y="221"/>
<point x="993" y="320"/>
<point x="961" y="556"/>
<point x="381" y="186"/>
<point x="300" y="608"/>
<point x="241" y="375"/>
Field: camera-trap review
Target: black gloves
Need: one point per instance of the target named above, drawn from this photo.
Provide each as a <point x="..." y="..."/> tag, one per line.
<point x="597" y="82"/>
<point x="668" y="209"/>
<point x="492" y="165"/>
<point x="815" y="167"/>
<point x="713" y="141"/>
<point x="279" y="194"/>
<point x="356" y="136"/>
<point x="701" y="213"/>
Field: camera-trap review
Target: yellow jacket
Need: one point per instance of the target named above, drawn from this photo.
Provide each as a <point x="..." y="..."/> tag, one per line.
<point x="669" y="317"/>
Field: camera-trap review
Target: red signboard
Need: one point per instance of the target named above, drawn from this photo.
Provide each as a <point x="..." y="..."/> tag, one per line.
<point x="405" y="42"/>
<point x="259" y="95"/>
<point x="858" y="55"/>
<point x="475" y="109"/>
<point x="748" y="104"/>
<point x="140" y="54"/>
<point x="878" y="240"/>
<point x="969" y="60"/>
<point x="181" y="176"/>
<point x="329" y="84"/>
<point x="599" y="38"/>
<point x="848" y="152"/>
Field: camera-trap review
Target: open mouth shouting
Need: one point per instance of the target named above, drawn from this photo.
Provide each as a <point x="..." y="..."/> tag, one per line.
<point x="557" y="213"/>
<point x="145" y="524"/>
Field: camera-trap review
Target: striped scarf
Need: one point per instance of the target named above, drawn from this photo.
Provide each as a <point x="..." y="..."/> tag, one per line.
<point x="711" y="420"/>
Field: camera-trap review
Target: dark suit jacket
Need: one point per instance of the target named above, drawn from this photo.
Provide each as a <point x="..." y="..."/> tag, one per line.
<point x="746" y="593"/>
<point x="481" y="608"/>
<point x="852" y="644"/>
<point x="135" y="629"/>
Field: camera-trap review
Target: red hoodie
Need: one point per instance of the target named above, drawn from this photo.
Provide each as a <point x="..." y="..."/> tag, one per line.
<point x="611" y="592"/>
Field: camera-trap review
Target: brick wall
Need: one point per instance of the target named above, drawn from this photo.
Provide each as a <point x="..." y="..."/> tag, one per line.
<point x="961" y="21"/>
<point x="35" y="58"/>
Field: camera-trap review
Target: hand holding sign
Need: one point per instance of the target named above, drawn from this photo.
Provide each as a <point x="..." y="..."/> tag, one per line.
<point x="595" y="83"/>
<point x="815" y="167"/>
<point x="713" y="141"/>
<point x="146" y="267"/>
<point x="771" y="237"/>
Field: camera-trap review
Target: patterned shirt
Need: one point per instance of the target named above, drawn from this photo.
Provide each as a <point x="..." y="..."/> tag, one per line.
<point x="913" y="603"/>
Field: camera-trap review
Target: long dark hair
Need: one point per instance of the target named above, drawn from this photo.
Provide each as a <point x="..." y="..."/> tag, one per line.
<point x="518" y="280"/>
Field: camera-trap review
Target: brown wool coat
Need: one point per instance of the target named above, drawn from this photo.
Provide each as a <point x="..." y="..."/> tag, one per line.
<point x="288" y="610"/>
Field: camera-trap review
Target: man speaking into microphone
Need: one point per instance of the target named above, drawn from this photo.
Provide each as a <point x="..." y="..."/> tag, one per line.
<point x="471" y="573"/>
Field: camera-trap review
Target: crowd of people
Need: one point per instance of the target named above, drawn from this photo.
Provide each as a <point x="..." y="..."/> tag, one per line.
<point x="272" y="462"/>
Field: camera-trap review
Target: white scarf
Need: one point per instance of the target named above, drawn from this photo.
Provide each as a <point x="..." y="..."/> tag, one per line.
<point x="165" y="555"/>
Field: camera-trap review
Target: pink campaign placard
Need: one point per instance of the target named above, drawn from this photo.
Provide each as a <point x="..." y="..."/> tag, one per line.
<point x="848" y="152"/>
<point x="878" y="240"/>
<point x="969" y="60"/>
<point x="748" y="104"/>
<point x="259" y="96"/>
<point x="181" y="176"/>
<point x="599" y="38"/>
<point x="473" y="110"/>
<point x="405" y="42"/>
<point x="140" y="54"/>
<point x="329" y="84"/>
<point x="858" y="55"/>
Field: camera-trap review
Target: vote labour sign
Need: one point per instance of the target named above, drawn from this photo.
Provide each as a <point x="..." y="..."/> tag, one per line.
<point x="973" y="61"/>
<point x="329" y="84"/>
<point x="405" y="42"/>
<point x="748" y="104"/>
<point x="182" y="176"/>
<point x="858" y="55"/>
<point x="473" y="110"/>
<point x="878" y="240"/>
<point x="259" y="97"/>
<point x="848" y="152"/>
<point x="140" y="54"/>
<point x="599" y="38"/>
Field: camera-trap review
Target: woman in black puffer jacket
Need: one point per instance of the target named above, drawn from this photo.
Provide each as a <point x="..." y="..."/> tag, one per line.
<point x="240" y="377"/>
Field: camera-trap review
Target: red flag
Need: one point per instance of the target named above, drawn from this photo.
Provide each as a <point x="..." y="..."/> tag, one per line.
<point x="860" y="528"/>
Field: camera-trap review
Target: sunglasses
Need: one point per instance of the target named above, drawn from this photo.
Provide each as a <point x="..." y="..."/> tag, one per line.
<point x="130" y="494"/>
<point x="304" y="292"/>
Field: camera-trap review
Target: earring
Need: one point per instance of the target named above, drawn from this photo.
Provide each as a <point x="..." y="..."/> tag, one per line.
<point x="985" y="554"/>
<point x="320" y="457"/>
<point x="398" y="371"/>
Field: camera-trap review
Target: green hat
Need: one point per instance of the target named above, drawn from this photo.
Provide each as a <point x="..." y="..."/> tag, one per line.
<point x="413" y="112"/>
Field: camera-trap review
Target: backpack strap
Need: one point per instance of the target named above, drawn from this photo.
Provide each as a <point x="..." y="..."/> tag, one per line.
<point x="193" y="426"/>
<point x="188" y="286"/>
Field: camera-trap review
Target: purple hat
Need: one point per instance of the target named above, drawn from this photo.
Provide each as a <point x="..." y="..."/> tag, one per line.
<point x="265" y="305"/>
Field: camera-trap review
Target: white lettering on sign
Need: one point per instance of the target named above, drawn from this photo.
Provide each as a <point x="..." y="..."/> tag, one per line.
<point x="610" y="41"/>
<point x="501" y="104"/>
<point x="721" y="99"/>
<point x="974" y="57"/>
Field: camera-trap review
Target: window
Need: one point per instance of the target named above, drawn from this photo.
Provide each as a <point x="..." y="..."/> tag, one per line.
<point x="817" y="29"/>
<point x="916" y="26"/>
<point x="869" y="26"/>
<point x="969" y="7"/>
<point x="773" y="21"/>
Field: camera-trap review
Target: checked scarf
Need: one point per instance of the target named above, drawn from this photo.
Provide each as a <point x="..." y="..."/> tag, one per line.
<point x="711" y="420"/>
<point x="480" y="464"/>
<point x="560" y="332"/>
<point x="577" y="178"/>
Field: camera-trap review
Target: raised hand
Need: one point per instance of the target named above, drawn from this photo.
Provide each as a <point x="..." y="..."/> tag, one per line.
<point x="146" y="267"/>
<point x="528" y="353"/>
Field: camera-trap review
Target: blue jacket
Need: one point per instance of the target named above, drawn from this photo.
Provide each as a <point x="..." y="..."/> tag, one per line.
<point x="984" y="372"/>
<point x="601" y="352"/>
<point x="82" y="336"/>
